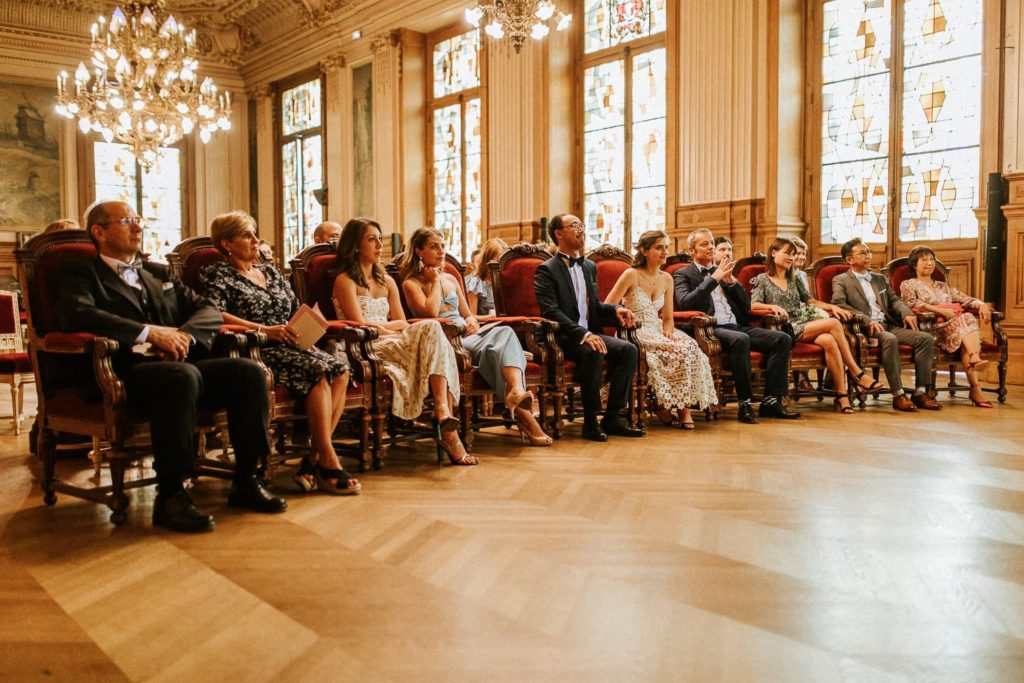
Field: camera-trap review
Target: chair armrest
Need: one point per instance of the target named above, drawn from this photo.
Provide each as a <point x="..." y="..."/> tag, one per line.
<point x="71" y="342"/>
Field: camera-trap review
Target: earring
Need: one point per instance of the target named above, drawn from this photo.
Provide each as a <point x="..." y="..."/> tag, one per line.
<point x="419" y="266"/>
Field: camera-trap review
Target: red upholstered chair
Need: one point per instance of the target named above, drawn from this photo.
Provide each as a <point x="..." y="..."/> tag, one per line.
<point x="79" y="392"/>
<point x="611" y="263"/>
<point x="15" y="366"/>
<point x="995" y="351"/>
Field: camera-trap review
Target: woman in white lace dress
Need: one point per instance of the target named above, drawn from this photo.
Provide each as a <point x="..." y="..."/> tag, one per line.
<point x="678" y="370"/>
<point x="418" y="358"/>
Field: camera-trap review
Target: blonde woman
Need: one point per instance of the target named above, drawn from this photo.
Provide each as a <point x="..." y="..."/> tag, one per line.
<point x="479" y="288"/>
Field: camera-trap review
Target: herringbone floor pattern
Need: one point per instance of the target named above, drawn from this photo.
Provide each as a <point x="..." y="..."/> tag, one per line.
<point x="877" y="546"/>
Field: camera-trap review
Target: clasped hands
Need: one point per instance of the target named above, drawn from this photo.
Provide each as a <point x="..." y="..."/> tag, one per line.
<point x="169" y="343"/>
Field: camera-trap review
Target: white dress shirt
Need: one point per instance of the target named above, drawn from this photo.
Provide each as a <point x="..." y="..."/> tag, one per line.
<point x="130" y="275"/>
<point x="877" y="314"/>
<point x="723" y="311"/>
<point x="579" y="286"/>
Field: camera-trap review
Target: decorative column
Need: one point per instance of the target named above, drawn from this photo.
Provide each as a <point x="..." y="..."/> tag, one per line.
<point x="387" y="129"/>
<point x="1012" y="167"/>
<point x="337" y="151"/>
<point x="267" y="213"/>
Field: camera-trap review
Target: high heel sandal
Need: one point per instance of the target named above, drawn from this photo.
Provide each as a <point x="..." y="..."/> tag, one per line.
<point x="524" y="400"/>
<point x="453" y="457"/>
<point x="686" y="424"/>
<point x="666" y="417"/>
<point x="305" y="477"/>
<point x="523" y="423"/>
<point x="862" y="390"/>
<point x="979" y="403"/>
<point x="446" y="423"/>
<point x="840" y="408"/>
<point x="323" y="477"/>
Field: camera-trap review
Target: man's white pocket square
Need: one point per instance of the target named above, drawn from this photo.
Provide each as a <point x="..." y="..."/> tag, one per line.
<point x="168" y="285"/>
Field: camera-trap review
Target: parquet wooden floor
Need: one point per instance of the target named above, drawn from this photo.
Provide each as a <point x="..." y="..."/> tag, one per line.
<point x="878" y="546"/>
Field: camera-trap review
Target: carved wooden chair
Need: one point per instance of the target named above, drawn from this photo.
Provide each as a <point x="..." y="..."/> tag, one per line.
<point x="78" y="390"/>
<point x="995" y="351"/>
<point x="15" y="365"/>
<point x="477" y="397"/>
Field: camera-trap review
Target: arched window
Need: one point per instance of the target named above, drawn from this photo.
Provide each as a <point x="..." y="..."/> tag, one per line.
<point x="624" y="119"/>
<point x="456" y="140"/>
<point x="300" y="140"/>
<point x="900" y="120"/>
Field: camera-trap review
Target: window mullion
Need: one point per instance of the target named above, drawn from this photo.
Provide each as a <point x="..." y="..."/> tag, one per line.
<point x="627" y="227"/>
<point x="465" y="176"/>
<point x="895" y="129"/>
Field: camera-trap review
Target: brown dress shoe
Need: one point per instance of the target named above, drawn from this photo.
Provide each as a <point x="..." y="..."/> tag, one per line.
<point x="926" y="402"/>
<point x="903" y="403"/>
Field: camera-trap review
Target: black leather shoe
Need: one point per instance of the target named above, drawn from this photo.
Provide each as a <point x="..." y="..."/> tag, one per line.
<point x="776" y="409"/>
<point x="250" y="493"/>
<point x="177" y="512"/>
<point x="593" y="432"/>
<point x="618" y="427"/>
<point x="746" y="414"/>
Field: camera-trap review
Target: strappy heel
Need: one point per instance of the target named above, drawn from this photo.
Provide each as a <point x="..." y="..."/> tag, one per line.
<point x="523" y="423"/>
<point x="840" y="408"/>
<point x="862" y="390"/>
<point x="305" y="477"/>
<point x="524" y="400"/>
<point x="453" y="457"/>
<point x="323" y="476"/>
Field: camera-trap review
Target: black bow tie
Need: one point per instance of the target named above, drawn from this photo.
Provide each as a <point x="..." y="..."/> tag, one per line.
<point x="704" y="272"/>
<point x="571" y="261"/>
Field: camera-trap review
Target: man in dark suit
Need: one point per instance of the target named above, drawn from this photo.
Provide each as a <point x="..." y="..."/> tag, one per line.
<point x="164" y="332"/>
<point x="566" y="286"/>
<point x="890" y="320"/>
<point x="708" y="285"/>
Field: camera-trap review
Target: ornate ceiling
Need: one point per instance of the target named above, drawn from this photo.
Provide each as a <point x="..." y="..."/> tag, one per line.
<point x="227" y="29"/>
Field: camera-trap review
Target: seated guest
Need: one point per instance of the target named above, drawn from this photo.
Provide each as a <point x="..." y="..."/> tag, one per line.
<point x="62" y="224"/>
<point x="479" y="289"/>
<point x="137" y="304"/>
<point x="708" y="285"/>
<point x="327" y="231"/>
<point x="890" y="320"/>
<point x="256" y="295"/>
<point x="678" y="370"/>
<point x="779" y="291"/>
<point x="959" y="329"/>
<point x="566" y="287"/>
<point x="497" y="354"/>
<point x="799" y="261"/>
<point x="418" y="358"/>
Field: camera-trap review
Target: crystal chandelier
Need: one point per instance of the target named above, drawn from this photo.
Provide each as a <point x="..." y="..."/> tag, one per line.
<point x="142" y="88"/>
<point x="517" y="18"/>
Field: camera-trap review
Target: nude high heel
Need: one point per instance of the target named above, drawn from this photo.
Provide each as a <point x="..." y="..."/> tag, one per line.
<point x="524" y="420"/>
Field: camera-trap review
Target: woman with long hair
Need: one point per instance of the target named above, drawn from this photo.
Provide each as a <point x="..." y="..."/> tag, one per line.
<point x="418" y="358"/>
<point x="497" y="354"/>
<point x="255" y="295"/>
<point x="479" y="288"/>
<point x="779" y="291"/>
<point x="677" y="369"/>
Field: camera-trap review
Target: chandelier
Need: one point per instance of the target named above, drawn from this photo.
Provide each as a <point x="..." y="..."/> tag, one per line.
<point x="142" y="87"/>
<point x="517" y="18"/>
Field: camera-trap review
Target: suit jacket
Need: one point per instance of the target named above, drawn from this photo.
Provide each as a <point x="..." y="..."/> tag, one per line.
<point x="93" y="298"/>
<point x="693" y="293"/>
<point x="847" y="292"/>
<point x="557" y="299"/>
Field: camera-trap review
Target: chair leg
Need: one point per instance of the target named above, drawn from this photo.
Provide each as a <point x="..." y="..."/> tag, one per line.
<point x="118" y="500"/>
<point x="14" y="405"/>
<point x="96" y="456"/>
<point x="47" y="449"/>
<point x="1002" y="381"/>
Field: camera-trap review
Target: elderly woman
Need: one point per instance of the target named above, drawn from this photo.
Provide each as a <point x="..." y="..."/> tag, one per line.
<point x="256" y="295"/>
<point x="778" y="291"/>
<point x="418" y="358"/>
<point x="958" y="329"/>
<point x="479" y="289"/>
<point x="497" y="354"/>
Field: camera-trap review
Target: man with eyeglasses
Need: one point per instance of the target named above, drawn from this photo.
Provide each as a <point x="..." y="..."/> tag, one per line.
<point x="889" y="320"/>
<point x="165" y="332"/>
<point x="709" y="286"/>
<point x="566" y="287"/>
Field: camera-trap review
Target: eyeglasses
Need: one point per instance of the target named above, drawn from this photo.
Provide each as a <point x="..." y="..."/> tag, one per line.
<point x="864" y="252"/>
<point x="129" y="220"/>
<point x="577" y="227"/>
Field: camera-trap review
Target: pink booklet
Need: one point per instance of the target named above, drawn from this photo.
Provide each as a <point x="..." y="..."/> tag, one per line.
<point x="309" y="325"/>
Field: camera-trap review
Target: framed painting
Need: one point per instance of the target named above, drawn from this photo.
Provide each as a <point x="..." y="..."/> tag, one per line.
<point x="29" y="157"/>
<point x="362" y="139"/>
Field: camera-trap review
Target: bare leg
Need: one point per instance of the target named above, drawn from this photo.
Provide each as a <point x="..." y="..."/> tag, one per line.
<point x="972" y="345"/>
<point x="319" y="414"/>
<point x="450" y="442"/>
<point x="834" y="328"/>
<point x="833" y="359"/>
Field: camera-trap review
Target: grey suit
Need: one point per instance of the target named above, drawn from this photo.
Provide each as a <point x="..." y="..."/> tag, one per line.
<point x="848" y="293"/>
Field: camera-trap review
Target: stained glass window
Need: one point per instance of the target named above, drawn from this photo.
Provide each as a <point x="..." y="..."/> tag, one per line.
<point x="611" y="22"/>
<point x="457" y="144"/>
<point x="301" y="165"/>
<point x="624" y="147"/>
<point x="155" y="194"/>
<point x="937" y="158"/>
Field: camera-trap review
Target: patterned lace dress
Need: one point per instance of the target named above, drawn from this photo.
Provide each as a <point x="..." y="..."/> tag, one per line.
<point x="677" y="369"/>
<point x="794" y="299"/>
<point x="950" y="333"/>
<point x="410" y="358"/>
<point x="296" y="369"/>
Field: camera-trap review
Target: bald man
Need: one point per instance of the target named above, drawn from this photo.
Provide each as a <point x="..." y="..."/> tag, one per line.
<point x="327" y="231"/>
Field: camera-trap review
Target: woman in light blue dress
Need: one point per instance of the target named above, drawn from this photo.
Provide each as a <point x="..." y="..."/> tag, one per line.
<point x="497" y="354"/>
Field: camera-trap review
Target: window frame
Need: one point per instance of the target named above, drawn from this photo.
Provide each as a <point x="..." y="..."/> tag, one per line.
<point x="280" y="139"/>
<point x="627" y="52"/>
<point x="462" y="97"/>
<point x="892" y="245"/>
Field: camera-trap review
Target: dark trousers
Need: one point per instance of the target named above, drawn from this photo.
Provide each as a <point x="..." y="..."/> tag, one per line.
<point x="738" y="341"/>
<point x="622" y="358"/>
<point x="171" y="394"/>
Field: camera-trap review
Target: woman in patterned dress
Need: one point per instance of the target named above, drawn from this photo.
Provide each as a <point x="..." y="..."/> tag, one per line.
<point x="779" y="291"/>
<point x="959" y="329"/>
<point x="678" y="370"/>
<point x="256" y="295"/>
<point x="418" y="358"/>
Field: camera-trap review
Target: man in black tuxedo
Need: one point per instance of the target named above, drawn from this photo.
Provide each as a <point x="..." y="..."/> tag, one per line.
<point x="566" y="286"/>
<point x="164" y="332"/>
<point x="708" y="285"/>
